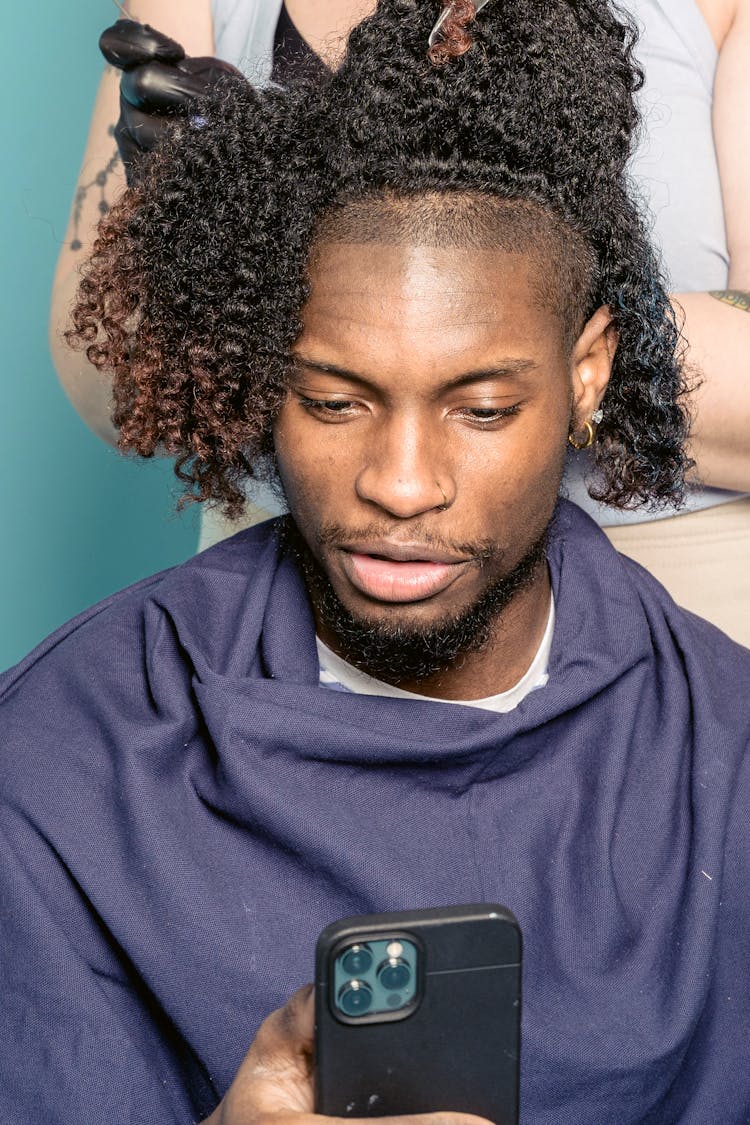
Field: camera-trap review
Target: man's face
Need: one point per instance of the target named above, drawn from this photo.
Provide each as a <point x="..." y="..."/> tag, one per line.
<point x="422" y="442"/>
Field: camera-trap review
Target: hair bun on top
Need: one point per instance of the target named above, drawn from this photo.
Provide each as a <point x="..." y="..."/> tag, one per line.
<point x="540" y="91"/>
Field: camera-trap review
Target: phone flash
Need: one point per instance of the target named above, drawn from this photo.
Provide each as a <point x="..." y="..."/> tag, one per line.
<point x="394" y="949"/>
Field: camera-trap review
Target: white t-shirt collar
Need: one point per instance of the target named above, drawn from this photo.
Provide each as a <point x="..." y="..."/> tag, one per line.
<point x="337" y="674"/>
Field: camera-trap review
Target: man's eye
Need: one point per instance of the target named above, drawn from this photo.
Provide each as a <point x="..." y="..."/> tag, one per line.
<point x="328" y="407"/>
<point x="488" y="414"/>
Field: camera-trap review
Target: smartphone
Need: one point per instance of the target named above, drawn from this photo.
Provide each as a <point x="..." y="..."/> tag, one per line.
<point x="419" y="1011"/>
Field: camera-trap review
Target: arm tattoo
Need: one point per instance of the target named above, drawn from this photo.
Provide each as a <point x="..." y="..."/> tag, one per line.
<point x="737" y="298"/>
<point x="100" y="181"/>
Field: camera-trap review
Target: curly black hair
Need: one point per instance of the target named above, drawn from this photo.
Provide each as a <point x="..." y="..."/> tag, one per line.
<point x="192" y="296"/>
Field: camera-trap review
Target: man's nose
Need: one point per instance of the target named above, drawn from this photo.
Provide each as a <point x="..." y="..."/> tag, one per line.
<point x="405" y="472"/>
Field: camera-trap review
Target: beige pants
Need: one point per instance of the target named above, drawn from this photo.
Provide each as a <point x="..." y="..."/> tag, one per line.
<point x="703" y="559"/>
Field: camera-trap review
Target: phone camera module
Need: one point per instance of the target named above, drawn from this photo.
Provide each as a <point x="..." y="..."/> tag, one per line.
<point x="357" y="960"/>
<point x="394" y="974"/>
<point x="374" y="977"/>
<point x="355" y="998"/>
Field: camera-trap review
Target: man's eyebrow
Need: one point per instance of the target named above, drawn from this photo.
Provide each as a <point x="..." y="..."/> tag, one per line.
<point x="503" y="369"/>
<point x="327" y="368"/>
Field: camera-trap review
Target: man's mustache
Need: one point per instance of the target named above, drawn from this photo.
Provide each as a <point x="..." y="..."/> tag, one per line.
<point x="479" y="551"/>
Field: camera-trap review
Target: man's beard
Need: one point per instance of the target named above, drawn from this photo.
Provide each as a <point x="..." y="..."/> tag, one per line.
<point x="399" y="653"/>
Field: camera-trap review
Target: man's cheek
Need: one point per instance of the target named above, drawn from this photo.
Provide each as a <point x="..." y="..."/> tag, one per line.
<point x="307" y="495"/>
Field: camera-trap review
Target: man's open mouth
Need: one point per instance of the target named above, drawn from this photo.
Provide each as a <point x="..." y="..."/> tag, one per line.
<point x="392" y="572"/>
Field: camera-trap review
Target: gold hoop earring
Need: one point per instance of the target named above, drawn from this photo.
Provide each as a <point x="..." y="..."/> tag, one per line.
<point x="589" y="440"/>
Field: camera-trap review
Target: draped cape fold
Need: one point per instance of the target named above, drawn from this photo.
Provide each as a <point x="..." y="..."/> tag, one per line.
<point x="183" y="808"/>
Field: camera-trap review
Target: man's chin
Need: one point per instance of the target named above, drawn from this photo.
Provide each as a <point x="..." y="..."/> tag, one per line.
<point x="407" y="642"/>
<point x="398" y="649"/>
<point x="418" y="616"/>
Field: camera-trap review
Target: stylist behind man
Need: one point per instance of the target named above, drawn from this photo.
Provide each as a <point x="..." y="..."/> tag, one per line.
<point x="692" y="166"/>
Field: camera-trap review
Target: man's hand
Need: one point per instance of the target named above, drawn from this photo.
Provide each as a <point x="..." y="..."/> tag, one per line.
<point x="157" y="82"/>
<point x="274" y="1085"/>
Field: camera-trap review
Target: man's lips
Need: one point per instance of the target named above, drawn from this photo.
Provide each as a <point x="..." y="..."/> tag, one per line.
<point x="390" y="572"/>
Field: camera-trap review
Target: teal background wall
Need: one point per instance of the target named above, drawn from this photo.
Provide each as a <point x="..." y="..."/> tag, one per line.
<point x="77" y="520"/>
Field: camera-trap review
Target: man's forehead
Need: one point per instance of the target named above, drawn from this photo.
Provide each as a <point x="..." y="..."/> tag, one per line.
<point x="475" y="243"/>
<point x="426" y="311"/>
<point x="432" y="313"/>
<point x="415" y="271"/>
<point x="441" y="302"/>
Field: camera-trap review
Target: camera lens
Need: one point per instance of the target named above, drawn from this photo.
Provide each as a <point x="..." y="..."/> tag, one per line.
<point x="356" y="960"/>
<point x="394" y="974"/>
<point x="355" y="998"/>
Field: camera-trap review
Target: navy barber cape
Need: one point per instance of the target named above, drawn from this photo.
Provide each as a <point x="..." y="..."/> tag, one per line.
<point x="184" y="808"/>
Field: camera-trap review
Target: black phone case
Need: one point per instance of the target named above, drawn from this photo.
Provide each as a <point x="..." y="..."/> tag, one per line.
<point x="458" y="1050"/>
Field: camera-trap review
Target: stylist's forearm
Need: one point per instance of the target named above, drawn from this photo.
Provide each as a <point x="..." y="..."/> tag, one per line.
<point x="718" y="335"/>
<point x="101" y="182"/>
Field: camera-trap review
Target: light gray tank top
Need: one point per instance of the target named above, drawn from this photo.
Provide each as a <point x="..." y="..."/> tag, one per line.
<point x="674" y="167"/>
<point x="243" y="35"/>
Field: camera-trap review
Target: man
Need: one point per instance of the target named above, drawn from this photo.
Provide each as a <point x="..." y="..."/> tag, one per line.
<point x="690" y="166"/>
<point x="407" y="292"/>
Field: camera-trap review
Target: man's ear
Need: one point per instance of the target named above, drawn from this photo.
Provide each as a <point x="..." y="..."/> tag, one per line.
<point x="591" y="364"/>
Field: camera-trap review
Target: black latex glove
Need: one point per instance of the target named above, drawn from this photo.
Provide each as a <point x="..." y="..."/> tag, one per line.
<point x="157" y="82"/>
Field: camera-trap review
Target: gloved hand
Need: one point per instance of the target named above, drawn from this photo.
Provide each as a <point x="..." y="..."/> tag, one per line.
<point x="157" y="82"/>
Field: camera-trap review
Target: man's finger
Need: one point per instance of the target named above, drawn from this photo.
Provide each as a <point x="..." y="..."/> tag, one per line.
<point x="287" y="1032"/>
<point x="274" y="1082"/>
